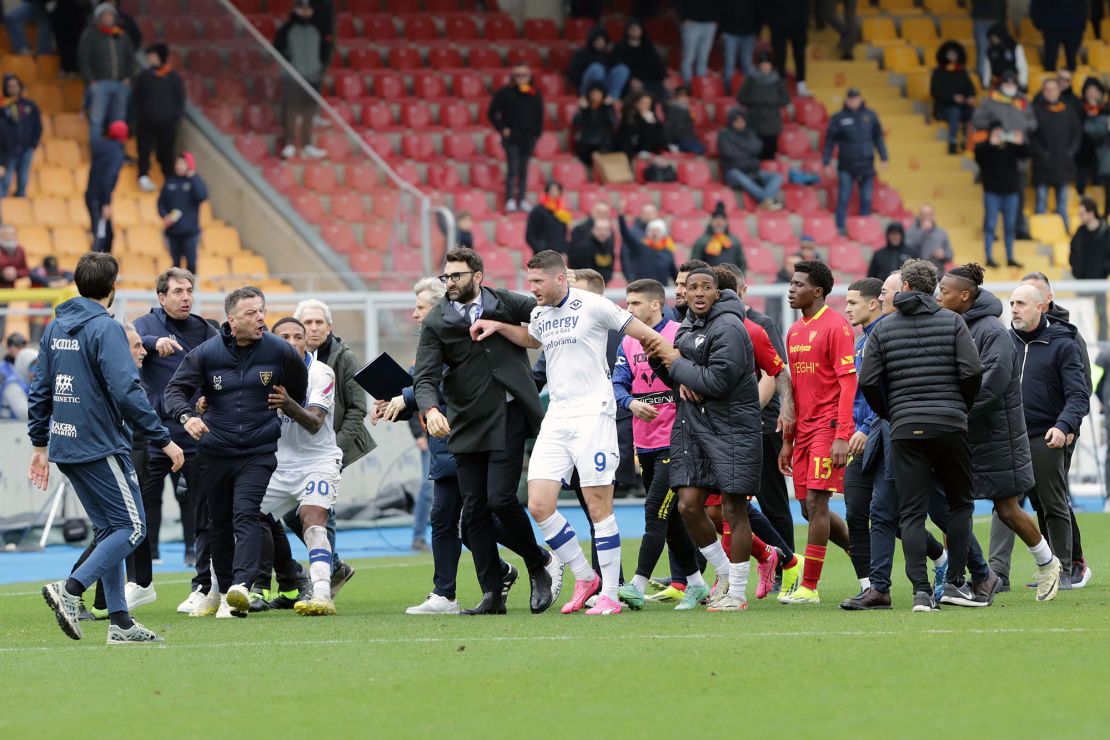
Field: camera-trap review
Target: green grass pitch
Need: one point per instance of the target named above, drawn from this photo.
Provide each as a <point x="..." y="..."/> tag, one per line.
<point x="1017" y="669"/>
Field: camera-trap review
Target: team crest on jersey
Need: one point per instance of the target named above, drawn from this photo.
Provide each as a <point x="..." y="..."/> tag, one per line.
<point x="575" y="304"/>
<point x="812" y="335"/>
<point x="265" y="375"/>
<point x="218" y="382"/>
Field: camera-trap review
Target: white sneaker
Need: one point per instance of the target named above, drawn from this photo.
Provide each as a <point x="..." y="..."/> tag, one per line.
<point x="239" y="597"/>
<point x="435" y="604"/>
<point x="146" y="184"/>
<point x="66" y="608"/>
<point x="206" y="604"/>
<point x="136" y="634"/>
<point x="510" y="206"/>
<point x="226" y="612"/>
<point x="556" y="568"/>
<point x="195" y="599"/>
<point x="803" y="90"/>
<point x="525" y="206"/>
<point x="288" y="151"/>
<point x="312" y="152"/>
<point x="137" y="595"/>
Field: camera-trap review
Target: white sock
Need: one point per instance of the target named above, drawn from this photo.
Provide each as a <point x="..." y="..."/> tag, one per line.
<point x="319" y="560"/>
<point x="695" y="579"/>
<point x="738" y="579"/>
<point x="715" y="554"/>
<point x="563" y="542"/>
<point x="939" y="562"/>
<point x="608" y="542"/>
<point x="1041" y="552"/>
<point x="640" y="582"/>
<point x="864" y="583"/>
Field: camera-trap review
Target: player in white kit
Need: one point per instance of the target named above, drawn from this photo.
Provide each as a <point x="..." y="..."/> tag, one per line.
<point x="579" y="430"/>
<point x="308" y="464"/>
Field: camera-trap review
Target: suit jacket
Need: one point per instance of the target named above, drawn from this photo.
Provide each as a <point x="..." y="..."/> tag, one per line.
<point x="478" y="374"/>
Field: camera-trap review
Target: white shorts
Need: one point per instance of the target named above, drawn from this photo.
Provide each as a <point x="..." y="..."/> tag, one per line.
<point x="588" y="443"/>
<point x="314" y="486"/>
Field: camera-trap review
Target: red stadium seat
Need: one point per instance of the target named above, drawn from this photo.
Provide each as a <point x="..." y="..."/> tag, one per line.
<point x="345" y="28"/>
<point x="550" y="84"/>
<point x="231" y="89"/>
<point x="404" y="58"/>
<point x="707" y="86"/>
<point x="540" y="29"/>
<point x="260" y="117"/>
<point x="462" y="28"/>
<point x="264" y="24"/>
<point x="558" y="57"/>
<point x="378" y="28"/>
<point x="810" y="113"/>
<point x="484" y="58"/>
<point x="420" y="28"/>
<point x="364" y="57"/>
<point x="389" y="86"/>
<point x="363" y="7"/>
<point x="459" y="147"/>
<point x="403" y="6"/>
<point x="687" y="230"/>
<point x="776" y="229"/>
<point x="416" y="115"/>
<point x="849" y="258"/>
<point x="386" y="204"/>
<point x="510" y="233"/>
<point x="441" y="6"/>
<point x="281" y="177"/>
<point x="491" y="145"/>
<point x="429" y="85"/>
<point x="499" y="264"/>
<point x="337" y="145"/>
<point x="179" y="30"/>
<point x="678" y="202"/>
<point x="473" y="201"/>
<point x="886" y="200"/>
<point x="577" y="29"/>
<point x="761" y="259"/>
<point x="444" y="177"/>
<point x="794" y="143"/>
<point x="377" y="116"/>
<point x="529" y="55"/>
<point x="694" y="173"/>
<point x="469" y="86"/>
<point x="865" y="229"/>
<point x="367" y="263"/>
<point x="310" y="207"/>
<point x="821" y="227"/>
<point x="455" y="116"/>
<point x="547" y="146"/>
<point x="253" y="148"/>
<point x="487" y="177"/>
<point x="801" y="200"/>
<point x="418" y="147"/>
<point x="711" y="195"/>
<point x="204" y="61"/>
<point x="222" y="117"/>
<point x="444" y="58"/>
<point x="348" y="84"/>
<point x="340" y="237"/>
<point x="348" y="207"/>
<point x="361" y="177"/>
<point x="634" y="200"/>
<point x="569" y="172"/>
<point x="499" y="27"/>
<point x="279" y="7"/>
<point x="588" y="196"/>
<point x="320" y="178"/>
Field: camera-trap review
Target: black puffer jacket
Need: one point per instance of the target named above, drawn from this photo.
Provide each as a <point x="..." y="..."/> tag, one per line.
<point x="1001" y="466"/>
<point x="1055" y="143"/>
<point x="764" y="96"/>
<point x="717" y="443"/>
<point x="947" y="82"/>
<point x="905" y="389"/>
<point x="1055" y="390"/>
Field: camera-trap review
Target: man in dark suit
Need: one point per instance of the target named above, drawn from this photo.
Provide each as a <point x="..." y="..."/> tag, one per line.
<point x="492" y="408"/>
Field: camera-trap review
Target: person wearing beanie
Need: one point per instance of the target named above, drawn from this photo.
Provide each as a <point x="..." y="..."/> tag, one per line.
<point x="763" y="94"/>
<point x="890" y="257"/>
<point x="717" y="246"/>
<point x="107" y="160"/>
<point x="158" y="99"/>
<point x="20" y="133"/>
<point x="179" y="206"/>
<point x="740" y="148"/>
<point x="953" y="92"/>
<point x="856" y="134"/>
<point x="106" y="61"/>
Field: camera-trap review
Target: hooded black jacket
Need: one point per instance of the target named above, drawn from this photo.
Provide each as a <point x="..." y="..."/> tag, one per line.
<point x="643" y="61"/>
<point x="1001" y="466"/>
<point x="1090" y="252"/>
<point x="1055" y="143"/>
<point x="905" y="389"/>
<point x="718" y="442"/>
<point x="890" y="258"/>
<point x="739" y="150"/>
<point x="946" y="83"/>
<point x="1054" y="388"/>
<point x="588" y="55"/>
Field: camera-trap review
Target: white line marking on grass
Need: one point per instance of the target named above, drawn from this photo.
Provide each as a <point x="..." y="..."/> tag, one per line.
<point x="567" y="638"/>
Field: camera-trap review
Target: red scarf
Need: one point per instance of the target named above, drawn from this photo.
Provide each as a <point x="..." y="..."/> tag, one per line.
<point x="1092" y="110"/>
<point x="953" y="68"/>
<point x="1056" y="107"/>
<point x="113" y="31"/>
<point x="527" y="88"/>
<point x="999" y="97"/>
<point x="164" y="70"/>
<point x="659" y="245"/>
<point x="717" y="244"/>
<point x="555" y="205"/>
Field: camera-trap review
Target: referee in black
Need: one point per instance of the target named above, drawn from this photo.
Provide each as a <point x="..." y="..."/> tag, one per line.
<point x="238" y="435"/>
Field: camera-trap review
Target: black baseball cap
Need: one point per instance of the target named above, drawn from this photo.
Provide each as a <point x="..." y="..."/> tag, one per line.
<point x="15" y="339"/>
<point x="853" y="92"/>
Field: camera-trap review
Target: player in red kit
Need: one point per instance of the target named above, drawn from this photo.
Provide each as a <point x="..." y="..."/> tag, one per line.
<point x="821" y="351"/>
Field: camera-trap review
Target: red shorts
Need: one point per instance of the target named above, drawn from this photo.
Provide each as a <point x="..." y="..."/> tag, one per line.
<point x="813" y="468"/>
<point x="713" y="499"/>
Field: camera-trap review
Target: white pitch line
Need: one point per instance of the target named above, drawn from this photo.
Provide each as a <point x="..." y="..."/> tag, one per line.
<point x="461" y="639"/>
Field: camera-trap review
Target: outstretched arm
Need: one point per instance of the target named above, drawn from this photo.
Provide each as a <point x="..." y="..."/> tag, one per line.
<point x="483" y="329"/>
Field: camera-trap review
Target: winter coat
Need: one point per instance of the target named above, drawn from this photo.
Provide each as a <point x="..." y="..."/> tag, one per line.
<point x="741" y="18"/>
<point x="1059" y="314"/>
<point x="158" y="98"/>
<point x="1090" y="252"/>
<point x="85" y="395"/>
<point x="679" y="124"/>
<point x="25" y="122"/>
<point x="906" y="391"/>
<point x="16" y="258"/>
<point x="1055" y="391"/>
<point x="1096" y="131"/>
<point x="636" y="135"/>
<point x="857" y="136"/>
<point x="644" y="61"/>
<point x="520" y="112"/>
<point x="1008" y="56"/>
<point x="1001" y="466"/>
<point x="107" y="160"/>
<point x="105" y="56"/>
<point x="1015" y="113"/>
<point x="738" y="150"/>
<point x="183" y="194"/>
<point x="717" y="443"/>
<point x="732" y="254"/>
<point x="587" y="55"/>
<point x="302" y="44"/>
<point x="701" y="11"/>
<point x="888" y="259"/>
<point x="998" y="166"/>
<point x="947" y="83"/>
<point x="544" y="230"/>
<point x="1054" y="144"/>
<point x="923" y="243"/>
<point x="594" y="127"/>
<point x="639" y="261"/>
<point x="988" y="10"/>
<point x="351" y="434"/>
<point x="1058" y="15"/>
<point x="585" y="251"/>
<point x="764" y="96"/>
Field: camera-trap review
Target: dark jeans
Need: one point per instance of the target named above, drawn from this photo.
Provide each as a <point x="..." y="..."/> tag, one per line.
<point x="235" y="487"/>
<point x="858" y="488"/>
<point x="661" y="520"/>
<point x="69" y="19"/>
<point x="916" y="463"/>
<point x="773" y="497"/>
<point x="103" y="234"/>
<point x="795" y="34"/>
<point x="517" y="157"/>
<point x="19" y="169"/>
<point x="1053" y="40"/>
<point x="297" y="106"/>
<point x="845" y="181"/>
<point x="194" y="509"/>
<point x="957" y="118"/>
<point x="276" y="557"/>
<point x="159" y="137"/>
<point x="884" y="529"/>
<point x="488" y="481"/>
<point x="183" y="249"/>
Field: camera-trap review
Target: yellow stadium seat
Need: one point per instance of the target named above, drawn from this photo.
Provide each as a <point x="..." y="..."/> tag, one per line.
<point x="899" y="6"/>
<point x="124" y="211"/>
<point x="57" y="181"/>
<point x="919" y="31"/>
<point x="275" y="286"/>
<point x="17" y="211"/>
<point x="22" y="67"/>
<point x="956" y="28"/>
<point x="48" y="97"/>
<point x="249" y="265"/>
<point x="146" y="240"/>
<point x="211" y="266"/>
<point x="63" y="152"/>
<point x="1027" y="32"/>
<point x="878" y="29"/>
<point x="50" y="211"/>
<point x="148" y="209"/>
<point x="36" y="240"/>
<point x="900" y="58"/>
<point x="78" y="213"/>
<point x="137" y="268"/>
<point x="223" y="241"/>
<point x="70" y="239"/>
<point x="73" y="95"/>
<point x="206" y="217"/>
<point x="1047" y="228"/>
<point x="70" y="126"/>
<point x="48" y="66"/>
<point x="944" y="7"/>
<point x="917" y="84"/>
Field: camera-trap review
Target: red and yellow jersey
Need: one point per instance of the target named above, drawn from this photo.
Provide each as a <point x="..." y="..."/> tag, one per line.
<point x="820" y="350"/>
<point x="766" y="356"/>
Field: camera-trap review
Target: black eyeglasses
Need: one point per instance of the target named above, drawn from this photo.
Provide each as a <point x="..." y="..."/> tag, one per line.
<point x="454" y="277"/>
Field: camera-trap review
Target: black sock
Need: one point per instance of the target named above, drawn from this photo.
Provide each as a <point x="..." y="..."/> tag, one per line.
<point x="74" y="587"/>
<point x="122" y="620"/>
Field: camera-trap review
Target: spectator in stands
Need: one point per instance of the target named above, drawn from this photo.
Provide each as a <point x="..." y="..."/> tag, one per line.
<point x="740" y="24"/>
<point x="593" y="247"/>
<point x="1067" y="94"/>
<point x="179" y="206"/>
<point x="953" y="93"/>
<point x="763" y="94"/>
<point x="845" y="24"/>
<point x="807" y="249"/>
<point x="640" y="132"/>
<point x="594" y="63"/>
<point x="516" y="112"/>
<point x="13" y="260"/>
<point x="646" y="69"/>
<point x="25" y="12"/>
<point x="985" y="15"/>
<point x="323" y="15"/>
<point x="594" y="125"/>
<point x="678" y="123"/>
<point x="1003" y="55"/>
<point x="128" y="24"/>
<point x="464" y="229"/>
<point x="1054" y="144"/>
<point x="643" y="254"/>
<point x="699" y="27"/>
<point x="740" y="149"/>
<point x="15" y="384"/>
<point x="106" y="59"/>
<point x="1095" y="117"/>
<point x="1007" y="104"/>
<point x="890" y="257"/>
<point x="49" y="275"/>
<point x="1062" y="23"/>
<point x="12" y="346"/>
<point x="68" y="19"/>
<point x="299" y="40"/>
<point x="857" y="134"/>
<point x="1090" y="245"/>
<point x="925" y="240"/>
<point x="998" y="158"/>
<point x="788" y="20"/>
<point x="548" y="221"/>
<point x="159" y="102"/>
<point x="107" y="160"/>
<point x="717" y="246"/>
<point x="21" y="131"/>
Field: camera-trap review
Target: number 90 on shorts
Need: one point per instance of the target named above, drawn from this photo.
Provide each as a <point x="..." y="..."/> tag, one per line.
<point x="289" y="489"/>
<point x="588" y="444"/>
